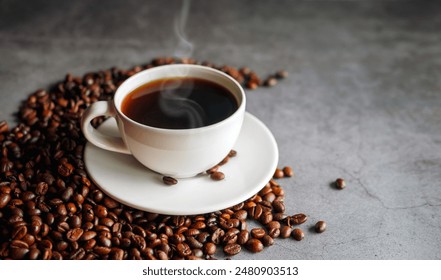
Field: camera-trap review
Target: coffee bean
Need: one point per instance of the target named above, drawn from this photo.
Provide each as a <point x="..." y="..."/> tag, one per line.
<point x="265" y="190"/>
<point x="217" y="236"/>
<point x="74" y="234"/>
<point x="270" y="82"/>
<point x="67" y="194"/>
<point x="267" y="241"/>
<point x="62" y="245"/>
<point x="100" y="211"/>
<point x="285" y="231"/>
<point x="194" y="243"/>
<point x="19" y="232"/>
<point x="104" y="241"/>
<point x="29" y="239"/>
<point x="340" y="183"/>
<point x="101" y="250"/>
<point x="210" y="248"/>
<point x="169" y="180"/>
<point x="232" y="249"/>
<point x="217" y="176"/>
<point x="230" y="236"/>
<point x="269" y="197"/>
<point x="4" y="199"/>
<point x="213" y="169"/>
<point x="279" y="216"/>
<point x="199" y="225"/>
<point x="298" y="219"/>
<point x="273" y="225"/>
<point x="33" y="254"/>
<point x="232" y="153"/>
<point x="297" y="234"/>
<point x="116" y="254"/>
<point x="139" y="241"/>
<point x="183" y="249"/>
<point x="203" y="237"/>
<point x="65" y="169"/>
<point x="18" y="253"/>
<point x="281" y="74"/>
<point x="320" y="226"/>
<point x="278" y="173"/>
<point x="252" y="85"/>
<point x="224" y="161"/>
<point x="256" y="212"/>
<point x="3" y="127"/>
<point x="258" y="233"/>
<point x="278" y="207"/>
<point x="241" y="214"/>
<point x="278" y="191"/>
<point x="198" y="253"/>
<point x="266" y="217"/>
<point x="254" y="245"/>
<point x="287" y="171"/>
<point x="161" y="255"/>
<point x="88" y="235"/>
<point x="110" y="203"/>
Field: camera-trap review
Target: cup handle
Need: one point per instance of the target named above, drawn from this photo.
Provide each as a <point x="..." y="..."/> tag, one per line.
<point x="107" y="142"/>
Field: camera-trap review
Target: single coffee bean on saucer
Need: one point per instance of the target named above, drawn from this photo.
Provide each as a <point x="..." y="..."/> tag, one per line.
<point x="217" y="176"/>
<point x="169" y="180"/>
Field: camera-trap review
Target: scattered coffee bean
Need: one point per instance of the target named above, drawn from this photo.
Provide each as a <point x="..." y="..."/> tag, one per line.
<point x="217" y="176"/>
<point x="278" y="173"/>
<point x="340" y="183"/>
<point x="281" y="74"/>
<point x="270" y="82"/>
<point x="320" y="226"/>
<point x="288" y="172"/>
<point x="169" y="180"/>
<point x="297" y="234"/>
<point x="254" y="245"/>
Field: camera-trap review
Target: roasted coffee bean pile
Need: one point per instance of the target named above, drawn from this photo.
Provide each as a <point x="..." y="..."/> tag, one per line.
<point x="50" y="209"/>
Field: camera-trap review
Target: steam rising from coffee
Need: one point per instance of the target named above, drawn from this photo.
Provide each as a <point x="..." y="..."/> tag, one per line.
<point x="175" y="105"/>
<point x="184" y="48"/>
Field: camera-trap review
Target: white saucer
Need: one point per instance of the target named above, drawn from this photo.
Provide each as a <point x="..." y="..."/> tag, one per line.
<point x="124" y="179"/>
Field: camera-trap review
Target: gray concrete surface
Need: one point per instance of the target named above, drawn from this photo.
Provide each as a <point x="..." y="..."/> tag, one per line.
<point x="363" y="99"/>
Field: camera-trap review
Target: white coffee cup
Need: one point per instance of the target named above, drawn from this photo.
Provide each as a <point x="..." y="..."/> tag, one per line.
<point x="179" y="153"/>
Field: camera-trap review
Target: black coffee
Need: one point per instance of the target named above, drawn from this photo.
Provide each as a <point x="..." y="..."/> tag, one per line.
<point x="179" y="103"/>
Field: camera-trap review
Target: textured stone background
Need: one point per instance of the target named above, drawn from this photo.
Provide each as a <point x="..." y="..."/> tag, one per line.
<point x="362" y="101"/>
